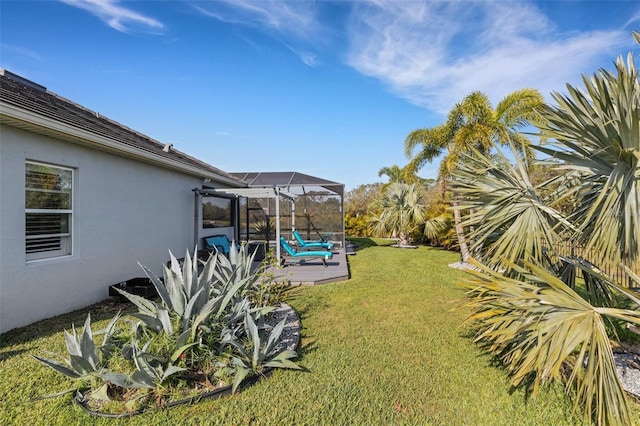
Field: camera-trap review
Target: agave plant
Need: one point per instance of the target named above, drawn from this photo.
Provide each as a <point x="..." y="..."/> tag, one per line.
<point x="83" y="359"/>
<point x="238" y="268"/>
<point x="261" y="354"/>
<point x="203" y="308"/>
<point x="152" y="370"/>
<point x="84" y="362"/>
<point x="190" y="295"/>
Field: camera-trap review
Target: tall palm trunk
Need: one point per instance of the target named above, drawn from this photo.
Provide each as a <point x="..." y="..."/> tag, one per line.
<point x="462" y="241"/>
<point x="457" y="220"/>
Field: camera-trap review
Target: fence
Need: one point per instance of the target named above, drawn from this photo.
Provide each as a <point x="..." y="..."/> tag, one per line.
<point x="615" y="272"/>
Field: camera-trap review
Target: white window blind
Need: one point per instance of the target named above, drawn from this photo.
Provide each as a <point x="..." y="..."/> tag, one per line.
<point x="49" y="209"/>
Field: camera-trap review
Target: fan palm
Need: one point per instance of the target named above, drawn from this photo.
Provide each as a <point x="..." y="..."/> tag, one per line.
<point x="401" y="209"/>
<point x="531" y="319"/>
<point x="535" y="324"/>
<point x="510" y="220"/>
<point x="596" y="134"/>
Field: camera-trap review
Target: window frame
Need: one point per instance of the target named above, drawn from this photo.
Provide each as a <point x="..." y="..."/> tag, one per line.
<point x="60" y="243"/>
<point x="212" y="221"/>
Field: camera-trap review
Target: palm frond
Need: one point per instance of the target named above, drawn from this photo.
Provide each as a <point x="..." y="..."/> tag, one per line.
<point x="509" y="220"/>
<point x="596" y="132"/>
<point x="536" y="324"/>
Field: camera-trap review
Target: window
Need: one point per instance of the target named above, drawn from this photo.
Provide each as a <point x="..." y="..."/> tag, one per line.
<point x="217" y="212"/>
<point x="48" y="210"/>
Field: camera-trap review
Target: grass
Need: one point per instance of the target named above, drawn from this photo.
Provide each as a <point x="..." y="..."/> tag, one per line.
<point x="386" y="347"/>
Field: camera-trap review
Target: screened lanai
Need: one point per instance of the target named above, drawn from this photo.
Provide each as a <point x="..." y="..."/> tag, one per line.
<point x="315" y="212"/>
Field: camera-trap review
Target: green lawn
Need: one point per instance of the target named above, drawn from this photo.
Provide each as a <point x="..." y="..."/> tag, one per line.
<point x="383" y="348"/>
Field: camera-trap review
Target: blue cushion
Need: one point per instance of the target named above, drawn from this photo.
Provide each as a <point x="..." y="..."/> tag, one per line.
<point x="217" y="242"/>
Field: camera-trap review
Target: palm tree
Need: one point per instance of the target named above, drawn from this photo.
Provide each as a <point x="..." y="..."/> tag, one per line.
<point x="533" y="321"/>
<point x="597" y="136"/>
<point x="511" y="220"/>
<point x="401" y="211"/>
<point x="473" y="125"/>
<point x="395" y="174"/>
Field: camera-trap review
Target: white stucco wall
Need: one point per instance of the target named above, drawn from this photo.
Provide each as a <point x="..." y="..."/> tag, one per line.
<point x="124" y="212"/>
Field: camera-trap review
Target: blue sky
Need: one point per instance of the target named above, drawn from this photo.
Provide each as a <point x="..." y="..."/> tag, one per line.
<point x="327" y="88"/>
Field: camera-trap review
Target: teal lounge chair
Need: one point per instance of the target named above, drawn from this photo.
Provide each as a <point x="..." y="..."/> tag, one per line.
<point x="219" y="243"/>
<point x="323" y="255"/>
<point x="311" y="244"/>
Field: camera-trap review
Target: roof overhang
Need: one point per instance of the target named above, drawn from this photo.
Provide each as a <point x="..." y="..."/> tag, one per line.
<point x="27" y="120"/>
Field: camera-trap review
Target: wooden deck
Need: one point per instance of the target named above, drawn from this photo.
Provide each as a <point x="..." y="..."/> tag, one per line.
<point x="313" y="272"/>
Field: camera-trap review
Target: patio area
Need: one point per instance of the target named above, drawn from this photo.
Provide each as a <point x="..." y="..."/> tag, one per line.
<point x="313" y="272"/>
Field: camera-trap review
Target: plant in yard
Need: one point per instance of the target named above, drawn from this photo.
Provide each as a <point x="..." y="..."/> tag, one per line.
<point x="401" y="211"/>
<point x="524" y="309"/>
<point x="152" y="370"/>
<point x="536" y="325"/>
<point x="84" y="363"/>
<point x="596" y="134"/>
<point x="257" y="355"/>
<point x="237" y="268"/>
<point x="510" y="220"/>
<point x="203" y="307"/>
<point x="473" y="124"/>
<point x="440" y="231"/>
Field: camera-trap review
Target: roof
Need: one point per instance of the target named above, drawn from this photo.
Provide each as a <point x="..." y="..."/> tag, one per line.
<point x="290" y="179"/>
<point x="30" y="106"/>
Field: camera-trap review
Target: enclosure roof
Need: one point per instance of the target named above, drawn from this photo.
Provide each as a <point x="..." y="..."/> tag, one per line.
<point x="288" y="179"/>
<point x="256" y="192"/>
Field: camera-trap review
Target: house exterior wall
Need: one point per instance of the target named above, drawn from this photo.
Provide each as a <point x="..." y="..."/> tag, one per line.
<point x="124" y="212"/>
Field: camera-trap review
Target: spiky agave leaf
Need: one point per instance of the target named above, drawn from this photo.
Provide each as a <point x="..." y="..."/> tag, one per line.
<point x="159" y="285"/>
<point x="283" y="360"/>
<point x="174" y="283"/>
<point x="238" y="267"/>
<point x="254" y="336"/>
<point x="241" y="373"/>
<point x="63" y="368"/>
<point x="83" y="361"/>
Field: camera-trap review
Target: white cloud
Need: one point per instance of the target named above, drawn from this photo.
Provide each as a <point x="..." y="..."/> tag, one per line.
<point x="117" y="17"/>
<point x="308" y="58"/>
<point x="23" y="52"/>
<point x="296" y="18"/>
<point x="435" y="53"/>
<point x="296" y="22"/>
